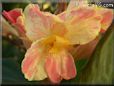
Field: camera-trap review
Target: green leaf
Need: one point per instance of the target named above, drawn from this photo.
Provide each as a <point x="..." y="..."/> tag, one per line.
<point x="11" y="72"/>
<point x="99" y="69"/>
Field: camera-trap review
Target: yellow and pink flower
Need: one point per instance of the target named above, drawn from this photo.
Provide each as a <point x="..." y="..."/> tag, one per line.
<point x="52" y="37"/>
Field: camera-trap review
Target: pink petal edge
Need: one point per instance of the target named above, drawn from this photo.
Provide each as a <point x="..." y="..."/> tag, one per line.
<point x="12" y="15"/>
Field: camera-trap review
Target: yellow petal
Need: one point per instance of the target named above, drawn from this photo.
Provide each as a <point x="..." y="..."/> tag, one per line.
<point x="58" y="27"/>
<point x="41" y="24"/>
<point x="37" y="24"/>
<point x="107" y="17"/>
<point x="33" y="63"/>
<point x="84" y="27"/>
<point x="71" y="10"/>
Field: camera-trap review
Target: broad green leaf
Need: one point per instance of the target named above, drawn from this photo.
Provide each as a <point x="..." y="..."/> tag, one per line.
<point x="99" y="69"/>
<point x="11" y="72"/>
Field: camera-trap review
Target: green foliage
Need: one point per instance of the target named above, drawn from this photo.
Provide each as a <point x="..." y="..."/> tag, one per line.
<point x="11" y="72"/>
<point x="100" y="67"/>
<point x="10" y="6"/>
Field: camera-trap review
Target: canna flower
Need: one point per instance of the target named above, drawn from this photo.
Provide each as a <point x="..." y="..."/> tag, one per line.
<point x="15" y="17"/>
<point x="52" y="37"/>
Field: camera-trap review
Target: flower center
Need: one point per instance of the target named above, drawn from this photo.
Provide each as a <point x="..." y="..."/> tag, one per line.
<point x="56" y="43"/>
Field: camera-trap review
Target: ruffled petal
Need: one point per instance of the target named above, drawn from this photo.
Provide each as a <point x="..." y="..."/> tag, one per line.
<point x="37" y="23"/>
<point x="15" y="16"/>
<point x="107" y="18"/>
<point x="83" y="27"/>
<point x="80" y="12"/>
<point x="107" y="14"/>
<point x="68" y="67"/>
<point x="7" y="28"/>
<point x="12" y="15"/>
<point x="53" y="68"/>
<point x="33" y="63"/>
<point x="60" y="65"/>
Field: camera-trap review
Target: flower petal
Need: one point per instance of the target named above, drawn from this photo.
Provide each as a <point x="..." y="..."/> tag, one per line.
<point x="33" y="63"/>
<point x="60" y="65"/>
<point x="53" y="68"/>
<point x="81" y="13"/>
<point x="84" y="51"/>
<point x="84" y="27"/>
<point x="37" y="23"/>
<point x="68" y="70"/>
<point x="16" y="18"/>
<point x="13" y="14"/>
<point x="107" y="19"/>
<point x="68" y="67"/>
<point x="58" y="27"/>
<point x="7" y="28"/>
<point x="106" y="13"/>
<point x="20" y="25"/>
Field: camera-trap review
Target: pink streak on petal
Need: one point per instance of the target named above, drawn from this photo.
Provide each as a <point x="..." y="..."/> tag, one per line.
<point x="102" y="31"/>
<point x="82" y="13"/>
<point x="12" y="15"/>
<point x="35" y="11"/>
<point x="107" y="18"/>
<point x="60" y="66"/>
<point x="31" y="72"/>
<point x="62" y="15"/>
<point x="68" y="68"/>
<point x="31" y="56"/>
<point x="52" y="70"/>
<point x="79" y="13"/>
<point x="8" y="17"/>
<point x="33" y="63"/>
<point x="37" y="23"/>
